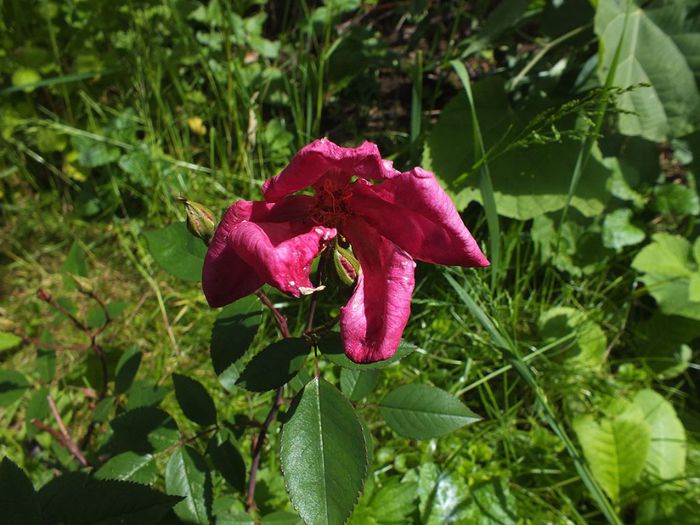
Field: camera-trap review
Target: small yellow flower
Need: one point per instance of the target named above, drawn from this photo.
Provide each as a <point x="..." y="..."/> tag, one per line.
<point x="197" y="126"/>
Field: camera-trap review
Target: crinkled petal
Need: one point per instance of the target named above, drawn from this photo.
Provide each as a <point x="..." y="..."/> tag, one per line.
<point x="413" y="211"/>
<point x="372" y="322"/>
<point x="323" y="159"/>
<point x="245" y="254"/>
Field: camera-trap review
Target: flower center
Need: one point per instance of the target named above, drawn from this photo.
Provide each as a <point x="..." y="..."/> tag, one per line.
<point x="331" y="204"/>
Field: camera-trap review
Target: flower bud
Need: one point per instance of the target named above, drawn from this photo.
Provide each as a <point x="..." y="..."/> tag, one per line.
<point x="200" y="220"/>
<point x="346" y="265"/>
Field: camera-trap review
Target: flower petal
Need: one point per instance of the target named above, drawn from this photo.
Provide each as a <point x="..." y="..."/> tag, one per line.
<point x="372" y="322"/>
<point x="413" y="211"/>
<point x="245" y="254"/>
<point x="323" y="158"/>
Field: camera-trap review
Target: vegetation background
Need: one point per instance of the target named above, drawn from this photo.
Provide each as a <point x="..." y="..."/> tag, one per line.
<point x="567" y="131"/>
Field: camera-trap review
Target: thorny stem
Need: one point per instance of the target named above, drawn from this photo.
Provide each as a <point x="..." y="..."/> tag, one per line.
<point x="62" y="436"/>
<point x="259" y="442"/>
<point x="94" y="346"/>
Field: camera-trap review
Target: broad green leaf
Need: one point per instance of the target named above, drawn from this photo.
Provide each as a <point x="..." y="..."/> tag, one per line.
<point x="94" y="153"/>
<point x="227" y="460"/>
<point x="281" y="518"/>
<point x="137" y="164"/>
<point x="667" y="255"/>
<point x="356" y="384"/>
<point x="145" y="394"/>
<point x="18" y="500"/>
<point x="194" y="400"/>
<point x="323" y="455"/>
<point x="490" y="503"/>
<point x="12" y="386"/>
<point x="142" y="430"/>
<point x="331" y="345"/>
<point x="583" y="341"/>
<point x="529" y="180"/>
<point x="76" y="498"/>
<point x="129" y="466"/>
<point x="393" y="503"/>
<point x="37" y="408"/>
<point x="186" y="475"/>
<point x="662" y="350"/>
<point x="667" y="272"/>
<point x="677" y="199"/>
<point x="275" y="365"/>
<point x="440" y="493"/>
<point x="666" y="507"/>
<point x="76" y="264"/>
<point x="423" y="411"/>
<point x="615" y="447"/>
<point x="234" y="330"/>
<point x="667" y="451"/>
<point x="177" y="251"/>
<point x="8" y="341"/>
<point x="45" y="363"/>
<point x="659" y="48"/>
<point x="127" y="367"/>
<point x="618" y="230"/>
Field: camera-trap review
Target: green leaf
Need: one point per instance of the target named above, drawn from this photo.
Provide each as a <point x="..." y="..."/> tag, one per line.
<point x="668" y="272"/>
<point x="194" y="400"/>
<point x="12" y="386"/>
<point x="127" y="367"/>
<point x="227" y="460"/>
<point x="356" y="384"/>
<point x="75" y="264"/>
<point x="281" y="518"/>
<point x="94" y="153"/>
<point x="145" y="394"/>
<point x="234" y="330"/>
<point x="45" y="363"/>
<point x="423" y="411"/>
<point x="142" y="430"/>
<point x="8" y="341"/>
<point x="37" y="408"/>
<point x="615" y="447"/>
<point x="177" y="251"/>
<point x="19" y="503"/>
<point x="275" y="365"/>
<point x="323" y="455"/>
<point x="393" y="503"/>
<point x="137" y="164"/>
<point x="583" y="342"/>
<point x="667" y="451"/>
<point x="75" y="498"/>
<point x="331" y="345"/>
<point x="676" y="199"/>
<point x="129" y="466"/>
<point x="528" y="180"/>
<point x="618" y="230"/>
<point x="186" y="475"/>
<point x="490" y="503"/>
<point x="657" y="49"/>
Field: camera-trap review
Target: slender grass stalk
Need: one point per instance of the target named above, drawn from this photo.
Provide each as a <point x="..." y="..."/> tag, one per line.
<point x="511" y="353"/>
<point x="416" y="106"/>
<point x="589" y="139"/>
<point x="485" y="184"/>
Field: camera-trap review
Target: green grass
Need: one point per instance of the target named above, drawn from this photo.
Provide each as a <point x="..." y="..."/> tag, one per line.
<point x="119" y="82"/>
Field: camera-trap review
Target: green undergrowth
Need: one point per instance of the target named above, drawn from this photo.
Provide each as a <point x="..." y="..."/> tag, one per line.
<point x="577" y="348"/>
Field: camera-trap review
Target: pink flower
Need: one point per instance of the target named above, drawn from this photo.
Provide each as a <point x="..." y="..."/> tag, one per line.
<point x="388" y="223"/>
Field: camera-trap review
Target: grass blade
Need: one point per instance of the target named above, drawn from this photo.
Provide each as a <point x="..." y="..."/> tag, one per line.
<point x="485" y="185"/>
<point x="512" y="355"/>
